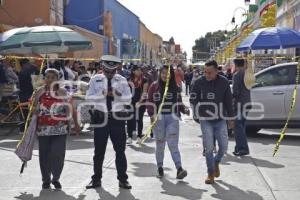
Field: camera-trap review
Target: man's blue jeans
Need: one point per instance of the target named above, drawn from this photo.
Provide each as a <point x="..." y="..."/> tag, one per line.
<point x="211" y="130"/>
<point x="240" y="135"/>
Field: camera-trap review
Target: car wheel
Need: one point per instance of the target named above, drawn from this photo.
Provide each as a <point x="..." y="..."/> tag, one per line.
<point x="252" y="131"/>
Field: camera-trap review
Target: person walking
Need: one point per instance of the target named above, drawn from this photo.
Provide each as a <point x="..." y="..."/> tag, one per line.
<point x="196" y="76"/>
<point x="166" y="129"/>
<point x="229" y="74"/>
<point x="212" y="101"/>
<point x="179" y="76"/>
<point x="221" y="73"/>
<point x="52" y="127"/>
<point x="242" y="105"/>
<point x="110" y="93"/>
<point x="151" y="75"/>
<point x="139" y="86"/>
<point x="188" y="76"/>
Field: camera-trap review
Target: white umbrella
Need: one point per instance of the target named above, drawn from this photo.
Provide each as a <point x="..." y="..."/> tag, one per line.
<point x="4" y="36"/>
<point x="43" y="40"/>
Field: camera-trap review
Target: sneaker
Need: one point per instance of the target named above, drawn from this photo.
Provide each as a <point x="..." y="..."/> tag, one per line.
<point x="217" y="170"/>
<point x="181" y="173"/>
<point x="46" y="186"/>
<point x="57" y="185"/>
<point x="160" y="172"/>
<point x="240" y="154"/>
<point x="210" y="179"/>
<point x="125" y="185"/>
<point x="139" y="140"/>
<point x="93" y="185"/>
<point x="129" y="141"/>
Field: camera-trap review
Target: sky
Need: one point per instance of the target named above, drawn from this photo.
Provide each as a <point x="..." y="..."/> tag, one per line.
<point x="186" y="20"/>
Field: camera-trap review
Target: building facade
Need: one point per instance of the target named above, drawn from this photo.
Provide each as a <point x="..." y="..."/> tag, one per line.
<point x="31" y="12"/>
<point x="109" y="18"/>
<point x="87" y="14"/>
<point x="151" y="46"/>
<point x="98" y="41"/>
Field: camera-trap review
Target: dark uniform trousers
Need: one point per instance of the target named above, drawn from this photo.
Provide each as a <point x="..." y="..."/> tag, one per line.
<point x="115" y="129"/>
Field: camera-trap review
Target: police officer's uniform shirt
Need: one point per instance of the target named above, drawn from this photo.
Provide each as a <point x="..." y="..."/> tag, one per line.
<point x="98" y="86"/>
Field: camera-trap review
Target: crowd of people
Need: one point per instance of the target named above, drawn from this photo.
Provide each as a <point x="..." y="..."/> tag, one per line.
<point x="121" y="95"/>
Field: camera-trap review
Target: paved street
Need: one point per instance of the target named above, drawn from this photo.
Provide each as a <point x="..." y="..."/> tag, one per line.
<point x="255" y="177"/>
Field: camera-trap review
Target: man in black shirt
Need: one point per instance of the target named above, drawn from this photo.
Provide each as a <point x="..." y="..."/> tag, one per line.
<point x="242" y="105"/>
<point x="211" y="98"/>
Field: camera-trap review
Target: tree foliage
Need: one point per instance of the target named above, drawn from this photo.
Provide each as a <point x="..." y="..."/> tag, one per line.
<point x="205" y="44"/>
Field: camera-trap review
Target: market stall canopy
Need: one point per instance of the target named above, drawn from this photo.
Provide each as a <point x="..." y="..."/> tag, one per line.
<point x="270" y="38"/>
<point x="43" y="40"/>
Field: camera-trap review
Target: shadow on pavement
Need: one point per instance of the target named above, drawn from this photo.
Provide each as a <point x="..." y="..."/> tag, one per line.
<point x="123" y="195"/>
<point x="266" y="139"/>
<point x="181" y="189"/>
<point x="232" y="192"/>
<point x="250" y="160"/>
<point x="143" y="149"/>
<point x="8" y="130"/>
<point x="85" y="141"/>
<point x="11" y="145"/>
<point x="146" y="169"/>
<point x="49" y="195"/>
<point x="290" y="140"/>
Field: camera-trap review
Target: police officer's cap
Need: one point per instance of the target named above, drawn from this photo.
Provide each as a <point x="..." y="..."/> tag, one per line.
<point x="110" y="62"/>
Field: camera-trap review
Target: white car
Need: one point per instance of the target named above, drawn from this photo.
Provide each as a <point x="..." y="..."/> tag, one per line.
<point x="274" y="89"/>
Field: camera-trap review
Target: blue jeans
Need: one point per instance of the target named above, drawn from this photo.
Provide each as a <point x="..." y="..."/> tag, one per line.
<point x="167" y="130"/>
<point x="211" y="130"/>
<point x="240" y="135"/>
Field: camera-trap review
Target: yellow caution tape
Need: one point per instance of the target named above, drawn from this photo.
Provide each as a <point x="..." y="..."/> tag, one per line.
<point x="291" y="111"/>
<point x="148" y="131"/>
<point x="72" y="59"/>
<point x="47" y="58"/>
<point x="132" y="59"/>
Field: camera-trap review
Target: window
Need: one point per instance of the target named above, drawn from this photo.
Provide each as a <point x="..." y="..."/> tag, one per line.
<point x="277" y="76"/>
<point x="293" y="74"/>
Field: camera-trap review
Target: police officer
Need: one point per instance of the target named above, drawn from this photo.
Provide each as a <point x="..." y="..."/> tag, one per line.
<point x="110" y="93"/>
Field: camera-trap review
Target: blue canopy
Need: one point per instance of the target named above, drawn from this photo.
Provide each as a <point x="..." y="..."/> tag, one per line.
<point x="271" y="38"/>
